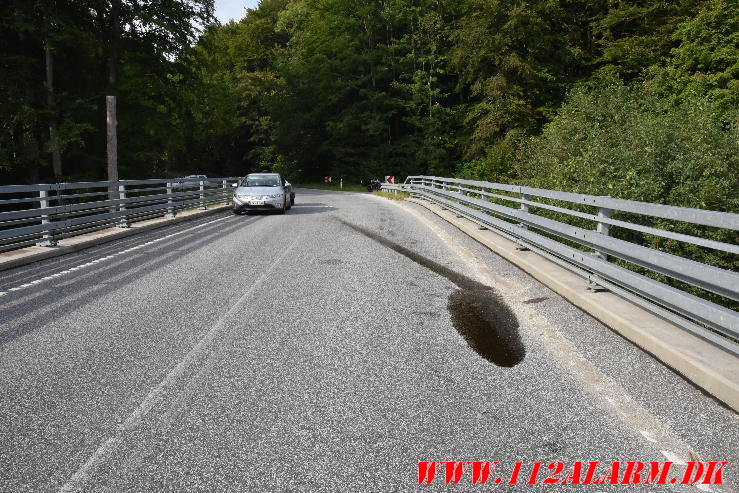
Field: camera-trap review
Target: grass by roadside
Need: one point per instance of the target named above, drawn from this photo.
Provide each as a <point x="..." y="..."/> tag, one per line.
<point x="332" y="186"/>
<point x="392" y="195"/>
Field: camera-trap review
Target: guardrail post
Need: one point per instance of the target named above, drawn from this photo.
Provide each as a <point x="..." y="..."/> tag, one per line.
<point x="524" y="208"/>
<point x="47" y="240"/>
<point x="170" y="203"/>
<point x="603" y="228"/>
<point x="446" y="189"/>
<point x="122" y="207"/>
<point x="482" y="197"/>
<point x="225" y="192"/>
<point x="202" y="206"/>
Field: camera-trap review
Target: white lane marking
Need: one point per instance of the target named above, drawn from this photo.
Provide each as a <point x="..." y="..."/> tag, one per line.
<point x="673" y="457"/>
<point x="648" y="436"/>
<point x="108" y="447"/>
<point x="108" y="257"/>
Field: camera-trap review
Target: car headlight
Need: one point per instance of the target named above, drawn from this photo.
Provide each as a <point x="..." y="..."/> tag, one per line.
<point x="278" y="196"/>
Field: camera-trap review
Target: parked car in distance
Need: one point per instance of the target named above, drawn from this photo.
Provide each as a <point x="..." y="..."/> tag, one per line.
<point x="189" y="181"/>
<point x="262" y="191"/>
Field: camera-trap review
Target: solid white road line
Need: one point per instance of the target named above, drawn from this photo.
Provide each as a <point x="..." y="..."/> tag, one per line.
<point x="108" y="257"/>
<point x="110" y="445"/>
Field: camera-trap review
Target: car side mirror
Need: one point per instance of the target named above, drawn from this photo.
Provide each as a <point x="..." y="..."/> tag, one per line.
<point x="234" y="185"/>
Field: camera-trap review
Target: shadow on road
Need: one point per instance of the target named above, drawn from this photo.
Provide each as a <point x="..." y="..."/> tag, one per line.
<point x="71" y="295"/>
<point x="297" y="209"/>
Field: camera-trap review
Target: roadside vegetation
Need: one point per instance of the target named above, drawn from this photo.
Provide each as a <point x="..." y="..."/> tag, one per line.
<point x="392" y="195"/>
<point x="631" y="99"/>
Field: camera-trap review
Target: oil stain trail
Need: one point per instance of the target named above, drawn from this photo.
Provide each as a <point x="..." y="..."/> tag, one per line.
<point x="478" y="312"/>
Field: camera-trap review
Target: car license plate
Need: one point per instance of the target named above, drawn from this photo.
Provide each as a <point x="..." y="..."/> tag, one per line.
<point x="256" y="202"/>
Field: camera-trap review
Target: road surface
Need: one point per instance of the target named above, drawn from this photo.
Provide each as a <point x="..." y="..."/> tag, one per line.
<point x="300" y="353"/>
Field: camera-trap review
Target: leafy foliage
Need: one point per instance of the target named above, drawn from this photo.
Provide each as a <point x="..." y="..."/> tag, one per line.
<point x="90" y="49"/>
<point x="633" y="142"/>
<point x="364" y="88"/>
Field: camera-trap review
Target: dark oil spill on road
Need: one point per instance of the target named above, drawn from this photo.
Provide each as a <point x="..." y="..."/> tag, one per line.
<point x="488" y="326"/>
<point x="478" y="313"/>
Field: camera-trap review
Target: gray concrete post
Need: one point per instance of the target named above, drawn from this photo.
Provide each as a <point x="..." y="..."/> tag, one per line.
<point x="202" y="206"/>
<point x="170" y="202"/>
<point x="123" y="223"/>
<point x="47" y="240"/>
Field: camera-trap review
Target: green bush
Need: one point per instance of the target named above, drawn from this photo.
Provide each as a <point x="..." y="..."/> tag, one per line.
<point x="497" y="164"/>
<point x="631" y="142"/>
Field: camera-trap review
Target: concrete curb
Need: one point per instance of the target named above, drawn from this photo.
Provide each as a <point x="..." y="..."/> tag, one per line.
<point x="24" y="256"/>
<point x="708" y="367"/>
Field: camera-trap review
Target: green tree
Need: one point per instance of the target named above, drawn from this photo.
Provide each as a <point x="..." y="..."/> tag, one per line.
<point x="517" y="59"/>
<point x="704" y="61"/>
<point x="633" y="35"/>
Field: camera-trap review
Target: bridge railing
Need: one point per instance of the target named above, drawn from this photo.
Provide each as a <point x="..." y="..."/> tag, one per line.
<point x="553" y="223"/>
<point x="43" y="214"/>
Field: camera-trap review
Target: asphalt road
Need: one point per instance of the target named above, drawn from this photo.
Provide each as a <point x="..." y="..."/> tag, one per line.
<point x="299" y="353"/>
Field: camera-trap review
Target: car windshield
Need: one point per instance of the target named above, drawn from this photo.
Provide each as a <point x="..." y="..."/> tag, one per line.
<point x="261" y="181"/>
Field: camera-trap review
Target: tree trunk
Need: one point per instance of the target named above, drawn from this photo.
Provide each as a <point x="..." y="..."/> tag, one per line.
<point x="113" y="48"/>
<point x="56" y="158"/>
<point x="30" y="152"/>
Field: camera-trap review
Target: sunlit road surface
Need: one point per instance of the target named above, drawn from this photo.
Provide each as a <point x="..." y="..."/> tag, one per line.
<point x="300" y="353"/>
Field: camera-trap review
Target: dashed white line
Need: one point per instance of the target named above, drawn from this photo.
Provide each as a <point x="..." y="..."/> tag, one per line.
<point x="109" y="446"/>
<point x="103" y="259"/>
<point x="673" y="457"/>
<point x="648" y="436"/>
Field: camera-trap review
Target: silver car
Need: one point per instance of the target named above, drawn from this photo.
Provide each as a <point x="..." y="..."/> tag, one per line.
<point x="189" y="181"/>
<point x="262" y="192"/>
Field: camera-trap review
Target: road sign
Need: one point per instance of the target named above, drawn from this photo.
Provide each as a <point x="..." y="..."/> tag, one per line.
<point x="390" y="180"/>
<point x="327" y="179"/>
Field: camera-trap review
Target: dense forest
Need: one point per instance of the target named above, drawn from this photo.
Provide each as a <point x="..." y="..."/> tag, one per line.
<point x="631" y="98"/>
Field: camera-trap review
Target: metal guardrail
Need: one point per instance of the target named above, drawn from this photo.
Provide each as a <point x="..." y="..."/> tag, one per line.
<point x="590" y="252"/>
<point x="43" y="214"/>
